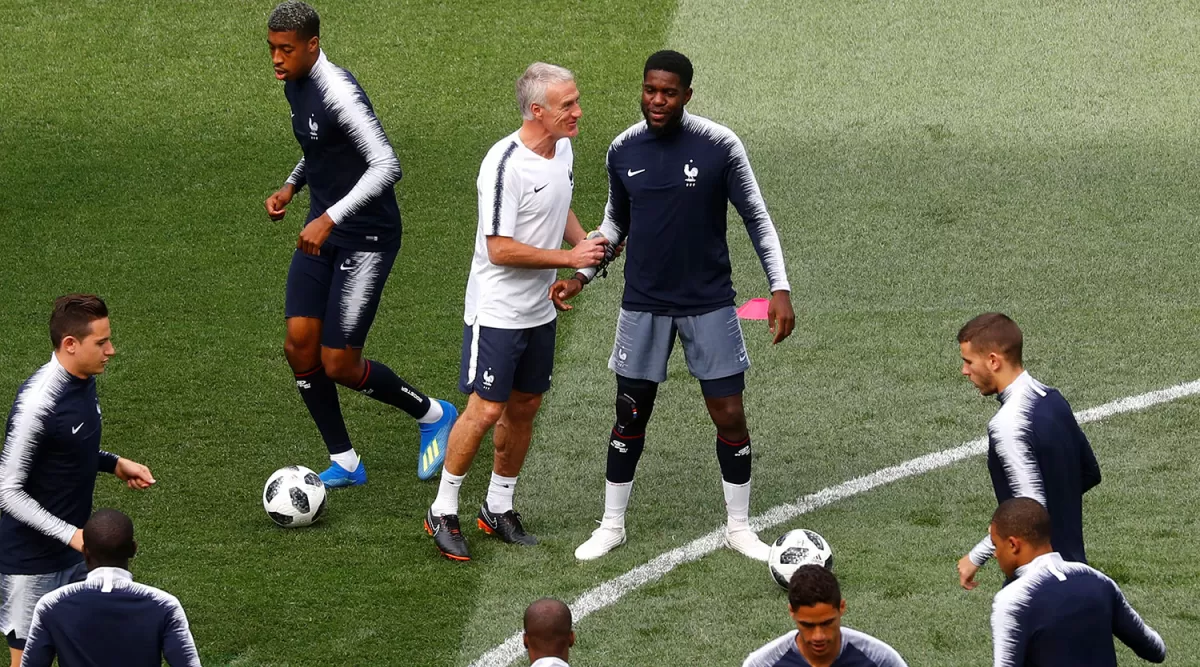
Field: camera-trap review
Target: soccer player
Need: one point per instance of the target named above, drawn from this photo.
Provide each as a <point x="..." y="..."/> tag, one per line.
<point x="671" y="178"/>
<point x="1057" y="612"/>
<point x="819" y="640"/>
<point x="108" y="619"/>
<point x="49" y="463"/>
<point x="1035" y="447"/>
<point x="548" y="635"/>
<point x="525" y="186"/>
<point x="346" y="249"/>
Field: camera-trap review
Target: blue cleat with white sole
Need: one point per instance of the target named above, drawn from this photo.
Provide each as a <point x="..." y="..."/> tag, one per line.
<point x="434" y="440"/>
<point x="335" y="476"/>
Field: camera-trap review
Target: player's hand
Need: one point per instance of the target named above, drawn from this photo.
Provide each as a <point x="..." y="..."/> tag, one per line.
<point x="562" y="290"/>
<point x="589" y="252"/>
<point x="277" y="203"/>
<point x="134" y="474"/>
<point x="780" y="317"/>
<point x="966" y="573"/>
<point x="77" y="540"/>
<point x="313" y="236"/>
<point x="617" y="252"/>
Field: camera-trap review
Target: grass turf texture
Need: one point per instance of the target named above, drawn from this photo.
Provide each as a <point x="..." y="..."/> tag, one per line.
<point x="924" y="162"/>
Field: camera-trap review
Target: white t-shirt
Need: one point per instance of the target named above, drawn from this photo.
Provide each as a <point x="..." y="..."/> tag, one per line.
<point x="524" y="196"/>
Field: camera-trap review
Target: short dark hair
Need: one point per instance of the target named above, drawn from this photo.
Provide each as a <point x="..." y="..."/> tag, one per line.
<point x="108" y="536"/>
<point x="673" y="62"/>
<point x="993" y="332"/>
<point x="1024" y="518"/>
<point x="812" y="585"/>
<point x="548" y="624"/>
<point x="297" y="16"/>
<point x="73" y="316"/>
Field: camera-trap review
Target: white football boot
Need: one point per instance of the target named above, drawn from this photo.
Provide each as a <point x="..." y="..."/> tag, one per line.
<point x="603" y="540"/>
<point x="741" y="539"/>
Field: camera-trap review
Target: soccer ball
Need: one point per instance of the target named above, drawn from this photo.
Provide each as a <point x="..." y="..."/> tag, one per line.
<point x="294" y="497"/>
<point x="795" y="548"/>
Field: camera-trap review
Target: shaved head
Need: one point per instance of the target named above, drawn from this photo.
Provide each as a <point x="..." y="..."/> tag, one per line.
<point x="548" y="629"/>
<point x="108" y="539"/>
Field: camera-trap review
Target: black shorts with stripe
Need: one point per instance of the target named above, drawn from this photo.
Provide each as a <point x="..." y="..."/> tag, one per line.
<point x="497" y="361"/>
<point x="340" y="287"/>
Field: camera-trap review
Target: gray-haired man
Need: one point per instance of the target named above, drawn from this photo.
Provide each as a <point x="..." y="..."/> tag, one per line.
<point x="525" y="186"/>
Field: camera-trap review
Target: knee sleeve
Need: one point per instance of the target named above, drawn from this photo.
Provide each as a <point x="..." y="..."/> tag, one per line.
<point x="634" y="404"/>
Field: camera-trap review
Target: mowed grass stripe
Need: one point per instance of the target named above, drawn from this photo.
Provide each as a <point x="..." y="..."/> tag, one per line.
<point x="611" y="592"/>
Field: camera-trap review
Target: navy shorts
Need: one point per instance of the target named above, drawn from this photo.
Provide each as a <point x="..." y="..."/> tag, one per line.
<point x="497" y="361"/>
<point x="340" y="287"/>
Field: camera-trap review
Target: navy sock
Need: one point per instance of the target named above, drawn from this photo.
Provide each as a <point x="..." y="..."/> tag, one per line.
<point x="624" y="452"/>
<point x="320" y="396"/>
<point x="734" y="458"/>
<point x="381" y="384"/>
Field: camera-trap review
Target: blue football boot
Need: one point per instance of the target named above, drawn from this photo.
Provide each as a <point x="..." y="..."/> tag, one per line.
<point x="434" y="440"/>
<point x="336" y="476"/>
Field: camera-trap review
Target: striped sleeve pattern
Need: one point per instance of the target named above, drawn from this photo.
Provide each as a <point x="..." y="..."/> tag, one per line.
<point x="31" y="412"/>
<point x="878" y="652"/>
<point x="748" y="200"/>
<point x="771" y="654"/>
<point x="347" y="103"/>
<point x="615" y="226"/>
<point x="297" y="178"/>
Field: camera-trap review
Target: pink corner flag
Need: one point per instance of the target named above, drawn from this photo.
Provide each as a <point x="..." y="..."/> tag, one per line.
<point x="754" y="309"/>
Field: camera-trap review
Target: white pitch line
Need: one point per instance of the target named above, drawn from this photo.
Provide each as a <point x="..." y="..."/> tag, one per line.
<point x="609" y="592"/>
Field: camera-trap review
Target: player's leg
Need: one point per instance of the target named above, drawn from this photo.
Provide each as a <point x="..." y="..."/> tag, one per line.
<point x="716" y="355"/>
<point x="354" y="295"/>
<point x="514" y="432"/>
<point x="640" y="355"/>
<point x="486" y="377"/>
<point x="308" y="282"/>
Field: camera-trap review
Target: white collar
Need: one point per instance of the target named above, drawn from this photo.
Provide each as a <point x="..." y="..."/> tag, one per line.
<point x="1041" y="562"/>
<point x="1017" y="386"/>
<point x="549" y="661"/>
<point x="108" y="575"/>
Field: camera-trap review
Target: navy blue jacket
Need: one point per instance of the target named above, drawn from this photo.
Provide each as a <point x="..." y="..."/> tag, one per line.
<point x="1063" y="614"/>
<point x="109" y="621"/>
<point x="668" y="195"/>
<point x="1037" y="450"/>
<point x="858" y="650"/>
<point x="48" y="470"/>
<point x="348" y="165"/>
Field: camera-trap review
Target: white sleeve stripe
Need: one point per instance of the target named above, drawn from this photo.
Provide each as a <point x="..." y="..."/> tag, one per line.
<point x="1006" y="617"/>
<point x="345" y="104"/>
<point x="877" y="651"/>
<point x="609" y="226"/>
<point x="1010" y="429"/>
<point x="297" y="173"/>
<point x="983" y="551"/>
<point x="759" y="225"/>
<point x="20" y="448"/>
<point x="769" y="654"/>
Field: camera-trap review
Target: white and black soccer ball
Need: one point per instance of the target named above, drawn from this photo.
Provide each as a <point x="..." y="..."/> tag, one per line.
<point x="794" y="549"/>
<point x="294" y="497"/>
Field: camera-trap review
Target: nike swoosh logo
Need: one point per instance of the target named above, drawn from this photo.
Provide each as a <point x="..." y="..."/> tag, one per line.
<point x="76" y="429"/>
<point x="633" y="173"/>
<point x="537" y="190"/>
<point x="346" y="266"/>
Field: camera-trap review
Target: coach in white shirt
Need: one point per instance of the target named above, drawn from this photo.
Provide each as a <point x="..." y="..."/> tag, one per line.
<point x="525" y="186"/>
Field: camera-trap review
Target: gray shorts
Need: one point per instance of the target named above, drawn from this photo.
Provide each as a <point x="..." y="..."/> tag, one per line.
<point x="19" y="594"/>
<point x="712" y="345"/>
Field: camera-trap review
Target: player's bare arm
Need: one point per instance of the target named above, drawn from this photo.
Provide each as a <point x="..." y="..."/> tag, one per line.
<point x="574" y="233"/>
<point x="506" y="251"/>
<point x="781" y="319"/>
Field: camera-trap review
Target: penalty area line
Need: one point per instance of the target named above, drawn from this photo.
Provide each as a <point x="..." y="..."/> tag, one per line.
<point x="609" y="592"/>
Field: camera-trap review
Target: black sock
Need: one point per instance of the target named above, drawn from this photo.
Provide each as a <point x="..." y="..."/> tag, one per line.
<point x="320" y="396"/>
<point x="734" y="458"/>
<point x="624" y="451"/>
<point x="381" y="384"/>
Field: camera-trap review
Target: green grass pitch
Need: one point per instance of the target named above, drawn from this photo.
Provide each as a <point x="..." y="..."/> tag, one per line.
<point x="923" y="161"/>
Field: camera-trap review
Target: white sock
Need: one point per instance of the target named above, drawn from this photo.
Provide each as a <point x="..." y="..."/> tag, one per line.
<point x="616" y="500"/>
<point x="447" y="497"/>
<point x="347" y="459"/>
<point x="500" y="493"/>
<point x="737" y="503"/>
<point x="433" y="414"/>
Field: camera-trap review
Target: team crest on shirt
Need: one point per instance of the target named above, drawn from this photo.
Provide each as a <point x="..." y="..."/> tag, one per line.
<point x="690" y="173"/>
<point x="312" y="128"/>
